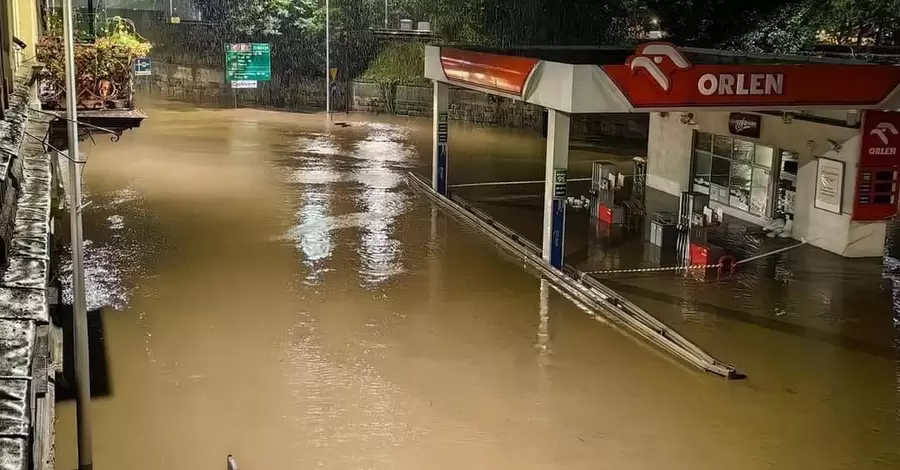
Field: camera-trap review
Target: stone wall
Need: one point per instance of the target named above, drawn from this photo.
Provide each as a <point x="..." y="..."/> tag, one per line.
<point x="473" y="106"/>
<point x="207" y="87"/>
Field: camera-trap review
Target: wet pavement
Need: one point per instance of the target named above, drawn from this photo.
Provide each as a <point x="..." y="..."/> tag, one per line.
<point x="274" y="290"/>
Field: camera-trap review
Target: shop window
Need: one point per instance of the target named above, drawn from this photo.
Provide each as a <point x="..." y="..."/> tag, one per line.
<point x="765" y="156"/>
<point x="702" y="171"/>
<point x="787" y="182"/>
<point x="723" y="146"/>
<point x="739" y="189"/>
<point x="759" y="192"/>
<point x="720" y="174"/>
<point x="703" y="141"/>
<point x="736" y="173"/>
<point x="743" y="150"/>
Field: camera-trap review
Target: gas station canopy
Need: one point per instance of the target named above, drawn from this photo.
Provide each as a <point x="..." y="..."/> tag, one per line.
<point x="659" y="76"/>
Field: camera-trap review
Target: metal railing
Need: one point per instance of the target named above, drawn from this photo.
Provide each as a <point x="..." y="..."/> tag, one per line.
<point x="582" y="287"/>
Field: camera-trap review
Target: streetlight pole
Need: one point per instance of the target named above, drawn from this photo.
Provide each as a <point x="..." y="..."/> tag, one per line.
<point x="79" y="308"/>
<point x="327" y="59"/>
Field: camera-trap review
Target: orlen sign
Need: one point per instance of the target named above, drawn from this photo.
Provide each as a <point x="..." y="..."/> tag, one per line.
<point x="880" y="136"/>
<point x="660" y="76"/>
<point x="741" y="84"/>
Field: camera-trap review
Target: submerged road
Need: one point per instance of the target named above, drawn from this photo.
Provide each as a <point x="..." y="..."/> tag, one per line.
<point x="272" y="289"/>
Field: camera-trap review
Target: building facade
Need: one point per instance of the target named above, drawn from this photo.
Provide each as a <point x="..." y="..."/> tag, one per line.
<point x="810" y="167"/>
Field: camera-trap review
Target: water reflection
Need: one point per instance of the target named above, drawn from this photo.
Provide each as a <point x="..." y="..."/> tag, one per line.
<point x="378" y="171"/>
<point x="106" y="260"/>
<point x="313" y="232"/>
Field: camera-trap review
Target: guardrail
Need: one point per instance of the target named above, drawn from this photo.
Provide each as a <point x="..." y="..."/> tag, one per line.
<point x="584" y="288"/>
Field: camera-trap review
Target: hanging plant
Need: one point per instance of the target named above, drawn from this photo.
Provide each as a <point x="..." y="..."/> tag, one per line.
<point x="104" y="70"/>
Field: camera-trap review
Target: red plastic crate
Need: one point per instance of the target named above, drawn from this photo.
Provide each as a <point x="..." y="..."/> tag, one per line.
<point x="705" y="254"/>
<point x="604" y="213"/>
<point x="699" y="255"/>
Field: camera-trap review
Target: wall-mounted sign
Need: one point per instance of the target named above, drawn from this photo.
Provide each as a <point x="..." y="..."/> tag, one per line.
<point x="248" y="61"/>
<point x="244" y="84"/>
<point x="142" y="66"/>
<point x="560" y="178"/>
<point x="746" y="125"/>
<point x="880" y="139"/>
<point x="829" y="185"/>
<point x="877" y="182"/>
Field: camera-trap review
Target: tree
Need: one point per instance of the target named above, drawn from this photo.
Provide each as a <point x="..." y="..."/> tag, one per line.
<point x="861" y="22"/>
<point x="786" y="30"/>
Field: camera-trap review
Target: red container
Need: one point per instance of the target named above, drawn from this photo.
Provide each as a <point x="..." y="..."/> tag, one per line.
<point x="699" y="255"/>
<point x="604" y="213"/>
<point x="704" y="254"/>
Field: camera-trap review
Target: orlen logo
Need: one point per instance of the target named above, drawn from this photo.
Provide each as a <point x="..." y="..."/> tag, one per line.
<point x="652" y="58"/>
<point x="882" y="130"/>
<point x="741" y="84"/>
<point x="662" y="60"/>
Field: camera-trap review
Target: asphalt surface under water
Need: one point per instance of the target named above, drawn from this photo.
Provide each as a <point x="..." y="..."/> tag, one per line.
<point x="275" y="291"/>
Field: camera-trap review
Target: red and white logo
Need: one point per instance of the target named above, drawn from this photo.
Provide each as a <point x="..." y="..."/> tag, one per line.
<point x="660" y="76"/>
<point x="659" y="61"/>
<point x="880" y="139"/>
<point x="882" y="130"/>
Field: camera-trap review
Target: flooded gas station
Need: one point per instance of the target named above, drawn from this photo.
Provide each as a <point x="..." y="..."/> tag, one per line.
<point x="271" y="287"/>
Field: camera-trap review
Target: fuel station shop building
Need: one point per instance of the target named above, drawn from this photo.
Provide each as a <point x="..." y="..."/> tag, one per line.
<point x="809" y="139"/>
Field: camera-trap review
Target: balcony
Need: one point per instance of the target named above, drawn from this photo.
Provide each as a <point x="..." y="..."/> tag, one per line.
<point x="104" y="77"/>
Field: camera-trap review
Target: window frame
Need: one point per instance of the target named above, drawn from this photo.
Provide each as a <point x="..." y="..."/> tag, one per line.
<point x="754" y="166"/>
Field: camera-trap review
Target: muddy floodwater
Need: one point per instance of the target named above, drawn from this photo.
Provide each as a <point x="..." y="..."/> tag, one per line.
<point x="272" y="289"/>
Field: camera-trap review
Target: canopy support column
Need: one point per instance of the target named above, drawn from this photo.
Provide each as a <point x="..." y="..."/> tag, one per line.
<point x="440" y="160"/>
<point x="555" y="178"/>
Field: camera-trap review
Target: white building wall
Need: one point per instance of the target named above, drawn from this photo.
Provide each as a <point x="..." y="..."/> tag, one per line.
<point x="669" y="161"/>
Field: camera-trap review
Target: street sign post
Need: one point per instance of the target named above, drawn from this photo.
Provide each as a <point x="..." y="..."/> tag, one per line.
<point x="142" y="66"/>
<point x="248" y="61"/>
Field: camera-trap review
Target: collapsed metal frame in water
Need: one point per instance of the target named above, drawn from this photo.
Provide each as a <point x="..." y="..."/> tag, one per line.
<point x="582" y="287"/>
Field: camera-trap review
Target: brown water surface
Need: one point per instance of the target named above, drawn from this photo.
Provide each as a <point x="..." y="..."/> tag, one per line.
<point x="275" y="291"/>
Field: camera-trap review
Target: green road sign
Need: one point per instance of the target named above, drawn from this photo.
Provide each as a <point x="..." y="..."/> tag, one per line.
<point x="248" y="61"/>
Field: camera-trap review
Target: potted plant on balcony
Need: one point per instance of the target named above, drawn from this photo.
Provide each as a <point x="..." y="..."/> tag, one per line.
<point x="104" y="69"/>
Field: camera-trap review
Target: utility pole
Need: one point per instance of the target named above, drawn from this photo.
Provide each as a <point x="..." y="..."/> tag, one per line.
<point x="327" y="59"/>
<point x="79" y="309"/>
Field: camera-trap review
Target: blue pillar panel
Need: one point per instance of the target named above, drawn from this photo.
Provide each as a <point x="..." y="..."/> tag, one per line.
<point x="442" y="158"/>
<point x="558" y="233"/>
<point x="558" y="220"/>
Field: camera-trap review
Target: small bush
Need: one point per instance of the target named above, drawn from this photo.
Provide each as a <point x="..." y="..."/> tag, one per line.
<point x="397" y="64"/>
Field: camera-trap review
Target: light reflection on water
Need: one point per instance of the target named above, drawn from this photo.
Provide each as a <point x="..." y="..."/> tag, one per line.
<point x="105" y="261"/>
<point x="380" y="250"/>
<point x="375" y="163"/>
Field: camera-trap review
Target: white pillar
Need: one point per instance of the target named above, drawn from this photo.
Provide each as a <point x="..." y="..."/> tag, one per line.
<point x="555" y="179"/>
<point x="440" y="160"/>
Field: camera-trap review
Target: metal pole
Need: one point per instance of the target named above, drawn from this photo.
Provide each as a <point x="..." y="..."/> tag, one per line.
<point x="90" y="12"/>
<point x="327" y="59"/>
<point x="385" y="14"/>
<point x="82" y="355"/>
